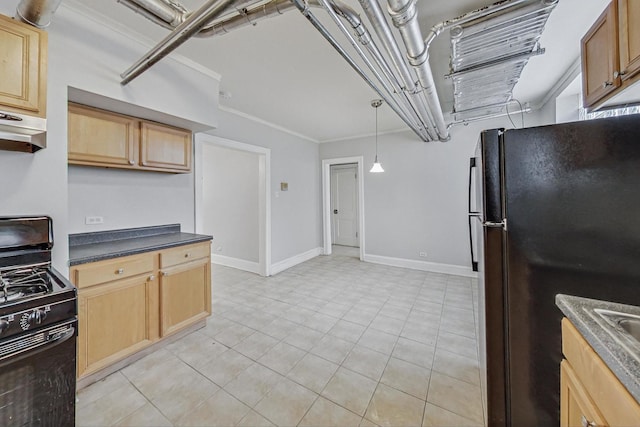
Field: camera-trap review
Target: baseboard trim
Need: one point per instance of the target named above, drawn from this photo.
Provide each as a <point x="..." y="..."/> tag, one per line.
<point x="434" y="267"/>
<point x="295" y="260"/>
<point x="240" y="264"/>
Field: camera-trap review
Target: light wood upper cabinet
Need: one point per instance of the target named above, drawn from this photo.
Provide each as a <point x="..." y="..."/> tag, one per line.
<point x="600" y="58"/>
<point x="629" y="32"/>
<point x="102" y="138"/>
<point x="23" y="67"/>
<point x="589" y="391"/>
<point x="165" y="147"/>
<point x="611" y="57"/>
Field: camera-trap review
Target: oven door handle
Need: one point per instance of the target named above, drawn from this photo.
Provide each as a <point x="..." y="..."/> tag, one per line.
<point x="32" y="350"/>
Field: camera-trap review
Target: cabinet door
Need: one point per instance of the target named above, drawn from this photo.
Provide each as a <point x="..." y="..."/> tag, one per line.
<point x="23" y="59"/>
<point x="100" y="138"/>
<point x="115" y="320"/>
<point x="165" y="148"/>
<point x="629" y="32"/>
<point x="600" y="58"/>
<point x="185" y="295"/>
<point x="576" y="407"/>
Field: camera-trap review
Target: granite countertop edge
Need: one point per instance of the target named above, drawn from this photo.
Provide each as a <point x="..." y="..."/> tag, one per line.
<point x="92" y="252"/>
<point x="624" y="366"/>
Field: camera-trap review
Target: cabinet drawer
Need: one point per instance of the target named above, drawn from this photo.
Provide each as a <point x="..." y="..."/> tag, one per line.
<point x="184" y="254"/>
<point x="113" y="269"/>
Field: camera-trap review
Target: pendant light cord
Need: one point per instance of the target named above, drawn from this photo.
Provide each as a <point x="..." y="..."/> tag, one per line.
<point x="376" y="134"/>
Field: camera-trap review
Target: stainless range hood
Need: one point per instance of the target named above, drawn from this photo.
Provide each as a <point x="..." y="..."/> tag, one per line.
<point x="19" y="132"/>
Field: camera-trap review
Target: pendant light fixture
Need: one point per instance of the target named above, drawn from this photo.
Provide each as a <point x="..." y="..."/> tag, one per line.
<point x="377" y="167"/>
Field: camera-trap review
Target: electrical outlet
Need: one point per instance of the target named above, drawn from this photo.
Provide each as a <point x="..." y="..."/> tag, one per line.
<point x="93" y="220"/>
<point x="423" y="254"/>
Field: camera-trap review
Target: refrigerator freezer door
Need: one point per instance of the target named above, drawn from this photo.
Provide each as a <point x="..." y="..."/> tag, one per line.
<point x="491" y="278"/>
<point x="572" y="203"/>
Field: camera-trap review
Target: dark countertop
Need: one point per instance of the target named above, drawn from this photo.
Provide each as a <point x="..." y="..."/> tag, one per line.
<point x="621" y="361"/>
<point x="91" y="247"/>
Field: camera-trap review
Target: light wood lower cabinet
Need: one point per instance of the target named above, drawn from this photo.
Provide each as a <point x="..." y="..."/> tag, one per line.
<point x="185" y="296"/>
<point x="126" y="304"/>
<point x="590" y="394"/>
<point x="115" y="320"/>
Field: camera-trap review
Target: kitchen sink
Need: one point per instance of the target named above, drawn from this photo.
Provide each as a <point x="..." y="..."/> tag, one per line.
<point x="624" y="327"/>
<point x="632" y="327"/>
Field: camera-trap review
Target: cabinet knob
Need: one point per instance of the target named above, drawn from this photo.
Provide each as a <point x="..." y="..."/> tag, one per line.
<point x="164" y="273"/>
<point x="152" y="278"/>
<point x="131" y="162"/>
<point x="187" y="255"/>
<point x="120" y="271"/>
<point x="586" y="423"/>
<point x="606" y="84"/>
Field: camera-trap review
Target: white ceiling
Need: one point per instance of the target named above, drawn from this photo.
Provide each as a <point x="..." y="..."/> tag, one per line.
<point x="283" y="71"/>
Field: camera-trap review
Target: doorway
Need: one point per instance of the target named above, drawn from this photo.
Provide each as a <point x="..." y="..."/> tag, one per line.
<point x="263" y="202"/>
<point x="352" y="223"/>
<point x="344" y="205"/>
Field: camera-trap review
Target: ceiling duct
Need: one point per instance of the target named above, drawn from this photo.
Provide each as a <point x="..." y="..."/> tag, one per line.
<point x="489" y="53"/>
<point x="37" y="12"/>
<point x="404" y="82"/>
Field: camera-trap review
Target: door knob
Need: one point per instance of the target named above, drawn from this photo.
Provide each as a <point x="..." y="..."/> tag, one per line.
<point x="335" y="211"/>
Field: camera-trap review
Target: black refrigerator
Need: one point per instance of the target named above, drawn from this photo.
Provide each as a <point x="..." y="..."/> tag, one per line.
<point x="552" y="209"/>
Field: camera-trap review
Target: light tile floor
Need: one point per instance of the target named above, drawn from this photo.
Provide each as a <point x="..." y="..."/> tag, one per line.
<point x="330" y="342"/>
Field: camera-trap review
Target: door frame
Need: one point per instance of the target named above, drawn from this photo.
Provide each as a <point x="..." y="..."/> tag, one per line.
<point x="326" y="200"/>
<point x="264" y="192"/>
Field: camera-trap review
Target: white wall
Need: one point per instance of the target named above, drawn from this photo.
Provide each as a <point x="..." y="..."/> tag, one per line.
<point x="295" y="215"/>
<point x="128" y="199"/>
<point x="419" y="204"/>
<point x="230" y="201"/>
<point x="85" y="55"/>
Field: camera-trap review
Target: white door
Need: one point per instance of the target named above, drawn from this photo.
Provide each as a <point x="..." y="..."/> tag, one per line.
<point x="344" y="205"/>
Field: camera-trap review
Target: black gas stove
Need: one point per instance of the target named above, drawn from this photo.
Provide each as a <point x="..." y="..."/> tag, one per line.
<point x="38" y="328"/>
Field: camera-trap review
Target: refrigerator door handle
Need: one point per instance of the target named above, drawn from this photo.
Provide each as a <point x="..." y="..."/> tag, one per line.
<point x="472" y="164"/>
<point x="474" y="261"/>
<point x="472" y="214"/>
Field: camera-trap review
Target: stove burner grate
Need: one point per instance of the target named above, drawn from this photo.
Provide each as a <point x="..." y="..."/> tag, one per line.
<point x="22" y="282"/>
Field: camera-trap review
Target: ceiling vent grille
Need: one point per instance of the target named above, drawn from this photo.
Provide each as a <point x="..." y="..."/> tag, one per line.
<point x="489" y="54"/>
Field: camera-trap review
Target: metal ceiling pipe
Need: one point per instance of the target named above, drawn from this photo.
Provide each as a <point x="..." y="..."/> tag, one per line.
<point x="173" y="14"/>
<point x="158" y="12"/>
<point x="37" y="12"/>
<point x="250" y="17"/>
<point x="377" y="19"/>
<point x="304" y="9"/>
<point x="181" y="34"/>
<point x="145" y="13"/>
<point x="390" y="90"/>
<point x="410" y="109"/>
<point x="405" y="18"/>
